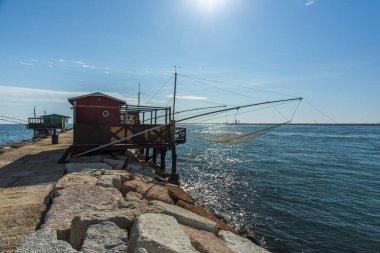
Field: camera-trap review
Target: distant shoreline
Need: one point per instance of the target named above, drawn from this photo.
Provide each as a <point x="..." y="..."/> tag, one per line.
<point x="294" y="124"/>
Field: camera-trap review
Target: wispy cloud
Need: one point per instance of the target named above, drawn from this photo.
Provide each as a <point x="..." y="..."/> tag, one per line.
<point x="21" y="95"/>
<point x="309" y="2"/>
<point x="81" y="63"/>
<point x="88" y="66"/>
<point x="25" y="63"/>
<point x="187" y="97"/>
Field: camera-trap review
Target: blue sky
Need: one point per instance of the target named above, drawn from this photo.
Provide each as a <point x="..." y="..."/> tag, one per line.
<point x="327" y="51"/>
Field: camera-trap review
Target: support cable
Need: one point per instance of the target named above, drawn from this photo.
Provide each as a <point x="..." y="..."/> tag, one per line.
<point x="321" y="112"/>
<point x="155" y="94"/>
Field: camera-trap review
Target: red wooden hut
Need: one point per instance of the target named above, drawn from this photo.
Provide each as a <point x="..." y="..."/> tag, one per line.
<point x="97" y="108"/>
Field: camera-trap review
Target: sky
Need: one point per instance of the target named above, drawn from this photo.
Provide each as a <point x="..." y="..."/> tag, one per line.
<point x="229" y="52"/>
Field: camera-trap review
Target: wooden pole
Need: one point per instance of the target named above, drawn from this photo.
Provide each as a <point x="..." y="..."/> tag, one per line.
<point x="174" y="177"/>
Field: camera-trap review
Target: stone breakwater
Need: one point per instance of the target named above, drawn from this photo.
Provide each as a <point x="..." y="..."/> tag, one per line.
<point x="100" y="209"/>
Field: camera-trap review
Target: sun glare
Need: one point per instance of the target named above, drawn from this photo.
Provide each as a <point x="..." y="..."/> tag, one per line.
<point x="209" y="6"/>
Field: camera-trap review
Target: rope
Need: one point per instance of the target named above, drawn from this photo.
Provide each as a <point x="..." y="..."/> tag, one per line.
<point x="265" y="107"/>
<point x="320" y="111"/>
<point x="239" y="86"/>
<point x="291" y="119"/>
<point x="228" y="91"/>
<point x="150" y="99"/>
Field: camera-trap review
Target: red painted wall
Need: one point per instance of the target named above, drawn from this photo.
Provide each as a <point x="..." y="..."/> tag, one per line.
<point x="101" y="110"/>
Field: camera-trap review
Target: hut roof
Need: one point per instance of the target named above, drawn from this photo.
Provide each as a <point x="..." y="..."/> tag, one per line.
<point x="54" y="115"/>
<point x="95" y="94"/>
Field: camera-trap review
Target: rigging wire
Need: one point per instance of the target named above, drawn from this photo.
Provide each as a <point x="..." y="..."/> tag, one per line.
<point x="320" y="111"/>
<point x="239" y="86"/>
<point x="217" y="125"/>
<point x="155" y="94"/>
<point x="228" y="91"/>
<point x="294" y="113"/>
<point x="7" y="120"/>
<point x="13" y="118"/>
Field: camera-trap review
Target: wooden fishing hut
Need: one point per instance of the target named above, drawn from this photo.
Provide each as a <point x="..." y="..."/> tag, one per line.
<point x="106" y="124"/>
<point x="47" y="124"/>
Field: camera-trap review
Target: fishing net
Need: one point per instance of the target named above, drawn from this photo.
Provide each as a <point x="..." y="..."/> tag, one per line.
<point x="241" y="138"/>
<point x="237" y="138"/>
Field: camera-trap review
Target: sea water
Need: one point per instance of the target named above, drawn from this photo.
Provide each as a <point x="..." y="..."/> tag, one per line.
<point x="298" y="188"/>
<point x="13" y="133"/>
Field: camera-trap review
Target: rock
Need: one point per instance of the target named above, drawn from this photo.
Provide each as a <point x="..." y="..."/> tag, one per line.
<point x="72" y="201"/>
<point x="105" y="237"/>
<point x="81" y="223"/>
<point x="158" y="233"/>
<point x="78" y="167"/>
<point x="115" y="164"/>
<point x="135" y="196"/>
<point x="176" y="193"/>
<point x="140" y="250"/>
<point x="74" y="179"/>
<point x="110" y="181"/>
<point x="87" y="159"/>
<point x="206" y="242"/>
<point x="122" y="216"/>
<point x="186" y="217"/>
<point x="149" y="191"/>
<point x="240" y="244"/>
<point x="246" y="232"/>
<point x="44" y="240"/>
<point x="127" y="177"/>
<point x="222" y="216"/>
<point x="141" y="169"/>
<point x="197" y="209"/>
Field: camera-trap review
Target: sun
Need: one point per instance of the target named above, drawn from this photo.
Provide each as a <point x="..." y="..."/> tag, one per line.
<point x="209" y="6"/>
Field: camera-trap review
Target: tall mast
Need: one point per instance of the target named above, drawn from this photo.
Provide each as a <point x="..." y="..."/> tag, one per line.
<point x="175" y="89"/>
<point x="138" y="98"/>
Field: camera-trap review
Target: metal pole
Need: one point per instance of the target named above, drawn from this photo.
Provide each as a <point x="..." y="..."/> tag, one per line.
<point x="174" y="177"/>
<point x="175" y="91"/>
<point x="138" y="98"/>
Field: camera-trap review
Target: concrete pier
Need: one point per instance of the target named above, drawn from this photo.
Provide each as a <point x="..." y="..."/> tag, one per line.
<point x="27" y="175"/>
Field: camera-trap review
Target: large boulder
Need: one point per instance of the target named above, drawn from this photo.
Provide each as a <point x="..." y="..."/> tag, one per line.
<point x="158" y="233"/>
<point x="206" y="242"/>
<point x="114" y="163"/>
<point x="86" y="167"/>
<point x="141" y="169"/>
<point x="87" y="159"/>
<point x="177" y="193"/>
<point x="195" y="208"/>
<point x="109" y="181"/>
<point x="186" y="217"/>
<point x="82" y="222"/>
<point x="123" y="216"/>
<point x="72" y="201"/>
<point x="240" y="244"/>
<point x="105" y="237"/>
<point x="148" y="190"/>
<point x="74" y="179"/>
<point x="44" y="240"/>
